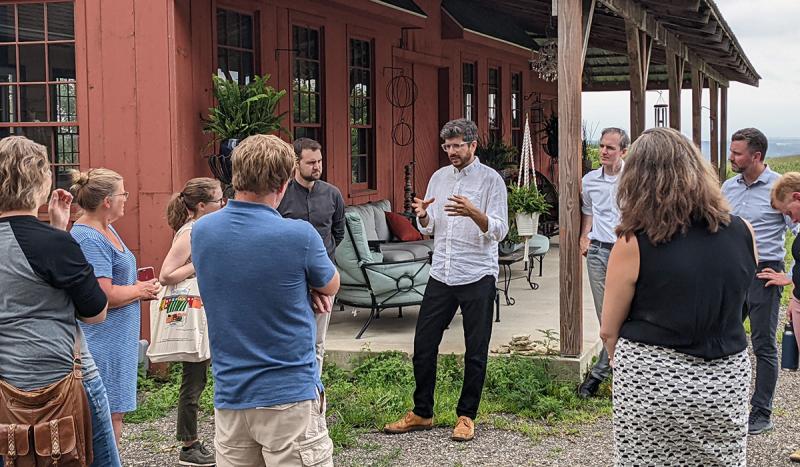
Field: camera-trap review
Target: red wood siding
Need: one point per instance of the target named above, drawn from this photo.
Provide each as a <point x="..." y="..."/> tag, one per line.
<point x="144" y="75"/>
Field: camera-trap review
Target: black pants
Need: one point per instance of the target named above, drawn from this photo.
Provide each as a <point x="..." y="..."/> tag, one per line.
<point x="437" y="310"/>
<point x="193" y="382"/>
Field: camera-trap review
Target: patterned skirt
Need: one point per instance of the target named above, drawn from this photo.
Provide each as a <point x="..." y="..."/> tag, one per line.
<point x="675" y="409"/>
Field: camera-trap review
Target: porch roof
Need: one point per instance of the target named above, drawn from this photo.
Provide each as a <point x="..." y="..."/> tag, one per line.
<point x="695" y="29"/>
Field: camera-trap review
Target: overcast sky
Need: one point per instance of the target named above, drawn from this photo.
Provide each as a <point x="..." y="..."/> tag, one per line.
<point x="769" y="33"/>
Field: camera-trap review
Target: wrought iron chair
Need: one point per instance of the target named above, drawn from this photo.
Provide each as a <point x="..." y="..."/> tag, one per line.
<point x="369" y="282"/>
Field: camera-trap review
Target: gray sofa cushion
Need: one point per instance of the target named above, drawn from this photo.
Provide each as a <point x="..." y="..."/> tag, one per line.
<point x="372" y="214"/>
<point x="418" y="249"/>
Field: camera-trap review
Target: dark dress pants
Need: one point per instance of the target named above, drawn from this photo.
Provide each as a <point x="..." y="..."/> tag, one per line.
<point x="438" y="307"/>
<point x="763" y="307"/>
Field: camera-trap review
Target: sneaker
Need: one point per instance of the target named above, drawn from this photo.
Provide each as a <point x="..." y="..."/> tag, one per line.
<point x="795" y="456"/>
<point x="759" y="422"/>
<point x="411" y="422"/>
<point x="197" y="455"/>
<point x="589" y="387"/>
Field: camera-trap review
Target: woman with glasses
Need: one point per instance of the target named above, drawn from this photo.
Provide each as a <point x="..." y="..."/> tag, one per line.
<point x="200" y="196"/>
<point x="115" y="342"/>
<point x="672" y="312"/>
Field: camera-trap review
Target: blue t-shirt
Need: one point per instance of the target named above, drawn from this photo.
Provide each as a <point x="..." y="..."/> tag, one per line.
<point x="254" y="269"/>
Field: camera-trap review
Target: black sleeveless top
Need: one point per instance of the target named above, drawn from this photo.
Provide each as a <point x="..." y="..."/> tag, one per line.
<point x="691" y="291"/>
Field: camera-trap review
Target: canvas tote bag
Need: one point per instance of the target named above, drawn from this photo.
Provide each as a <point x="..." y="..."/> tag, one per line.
<point x="178" y="326"/>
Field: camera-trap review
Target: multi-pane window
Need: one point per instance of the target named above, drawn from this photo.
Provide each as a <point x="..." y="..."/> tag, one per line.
<point x="236" y="53"/>
<point x="307" y="83"/>
<point x="516" y="110"/>
<point x="37" y="80"/>
<point x="493" y="105"/>
<point x="362" y="135"/>
<point x="469" y="79"/>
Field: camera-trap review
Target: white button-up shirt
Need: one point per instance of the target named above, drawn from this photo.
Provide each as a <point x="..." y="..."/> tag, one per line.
<point x="462" y="253"/>
<point x="599" y="196"/>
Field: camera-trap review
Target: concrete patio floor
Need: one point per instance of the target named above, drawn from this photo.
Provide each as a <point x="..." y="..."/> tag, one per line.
<point x="534" y="310"/>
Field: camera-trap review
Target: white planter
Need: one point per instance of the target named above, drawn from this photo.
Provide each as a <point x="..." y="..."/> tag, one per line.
<point x="527" y="224"/>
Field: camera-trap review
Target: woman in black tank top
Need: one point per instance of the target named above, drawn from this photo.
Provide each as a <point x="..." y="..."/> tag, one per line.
<point x="672" y="313"/>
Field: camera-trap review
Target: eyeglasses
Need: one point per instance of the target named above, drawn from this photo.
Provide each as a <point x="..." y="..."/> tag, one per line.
<point x="455" y="146"/>
<point x="124" y="194"/>
<point x="222" y="202"/>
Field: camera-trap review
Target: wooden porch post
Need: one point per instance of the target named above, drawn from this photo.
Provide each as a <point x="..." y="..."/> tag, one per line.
<point x="675" y="81"/>
<point x="723" y="133"/>
<point x="570" y="54"/>
<point x="639" y="47"/>
<point x="697" y="97"/>
<point x="714" y="119"/>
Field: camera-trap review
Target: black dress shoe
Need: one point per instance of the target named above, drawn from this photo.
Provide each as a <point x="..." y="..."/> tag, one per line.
<point x="589" y="387"/>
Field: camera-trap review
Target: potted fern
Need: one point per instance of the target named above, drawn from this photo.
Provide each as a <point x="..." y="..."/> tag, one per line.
<point x="527" y="204"/>
<point x="241" y="111"/>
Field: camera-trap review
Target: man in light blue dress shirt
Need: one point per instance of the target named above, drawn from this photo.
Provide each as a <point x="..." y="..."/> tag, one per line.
<point x="749" y="196"/>
<point x="599" y="219"/>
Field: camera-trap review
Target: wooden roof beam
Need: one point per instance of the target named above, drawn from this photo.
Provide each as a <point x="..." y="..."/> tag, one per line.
<point x="645" y="21"/>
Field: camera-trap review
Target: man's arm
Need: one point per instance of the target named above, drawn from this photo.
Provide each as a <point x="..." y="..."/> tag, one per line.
<point x="337" y="227"/>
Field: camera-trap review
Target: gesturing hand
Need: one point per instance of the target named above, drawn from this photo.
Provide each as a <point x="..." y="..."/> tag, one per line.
<point x="459" y="206"/>
<point x="58" y="208"/>
<point x="421" y="206"/>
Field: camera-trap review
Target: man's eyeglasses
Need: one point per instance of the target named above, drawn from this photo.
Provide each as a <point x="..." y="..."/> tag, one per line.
<point x="454" y="146"/>
<point x="124" y="195"/>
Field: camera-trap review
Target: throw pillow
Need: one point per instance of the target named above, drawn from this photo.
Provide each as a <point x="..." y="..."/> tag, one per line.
<point x="402" y="228"/>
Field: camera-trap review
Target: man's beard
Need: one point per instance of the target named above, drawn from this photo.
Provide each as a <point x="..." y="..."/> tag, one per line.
<point x="736" y="168"/>
<point x="312" y="177"/>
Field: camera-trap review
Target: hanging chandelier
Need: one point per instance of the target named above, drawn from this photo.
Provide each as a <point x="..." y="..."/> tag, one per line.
<point x="545" y="60"/>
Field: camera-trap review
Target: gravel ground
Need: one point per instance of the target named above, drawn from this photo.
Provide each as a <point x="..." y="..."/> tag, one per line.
<point x="152" y="444"/>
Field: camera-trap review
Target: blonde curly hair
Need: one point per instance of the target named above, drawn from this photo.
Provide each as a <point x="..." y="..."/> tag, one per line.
<point x="25" y="175"/>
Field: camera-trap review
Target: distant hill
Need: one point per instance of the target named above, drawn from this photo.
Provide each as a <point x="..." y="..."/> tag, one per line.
<point x="778" y="147"/>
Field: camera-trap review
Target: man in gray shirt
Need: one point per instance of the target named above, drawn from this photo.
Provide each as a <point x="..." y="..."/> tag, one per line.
<point x="319" y="203"/>
<point x="749" y="196"/>
<point x="599" y="219"/>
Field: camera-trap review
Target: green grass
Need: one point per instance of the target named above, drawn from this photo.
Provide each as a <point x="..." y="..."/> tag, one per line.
<point x="379" y="390"/>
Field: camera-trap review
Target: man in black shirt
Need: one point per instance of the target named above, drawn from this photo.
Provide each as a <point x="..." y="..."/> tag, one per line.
<point x="320" y="203"/>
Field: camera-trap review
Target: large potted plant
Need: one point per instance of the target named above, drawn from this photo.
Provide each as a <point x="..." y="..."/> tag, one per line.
<point x="527" y="203"/>
<point x="498" y="155"/>
<point x="241" y="111"/>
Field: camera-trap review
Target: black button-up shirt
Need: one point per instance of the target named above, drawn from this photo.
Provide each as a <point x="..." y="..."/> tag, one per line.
<point x="323" y="207"/>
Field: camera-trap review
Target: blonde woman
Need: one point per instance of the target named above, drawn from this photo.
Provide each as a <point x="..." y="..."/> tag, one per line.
<point x="46" y="285"/>
<point x="114" y="343"/>
<point x="672" y="313"/>
<point x="200" y="196"/>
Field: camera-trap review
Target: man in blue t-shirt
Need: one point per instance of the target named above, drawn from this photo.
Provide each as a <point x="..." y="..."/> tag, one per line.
<point x="262" y="278"/>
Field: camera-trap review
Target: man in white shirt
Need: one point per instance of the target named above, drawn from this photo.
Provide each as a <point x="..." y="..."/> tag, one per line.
<point x="599" y="219"/>
<point x="465" y="210"/>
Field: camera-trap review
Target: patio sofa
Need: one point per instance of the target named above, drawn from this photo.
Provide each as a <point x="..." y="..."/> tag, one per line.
<point x="369" y="280"/>
<point x="380" y="237"/>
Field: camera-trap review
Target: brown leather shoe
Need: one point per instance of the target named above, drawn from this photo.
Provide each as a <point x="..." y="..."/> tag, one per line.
<point x="411" y="422"/>
<point x="795" y="456"/>
<point x="464" y="430"/>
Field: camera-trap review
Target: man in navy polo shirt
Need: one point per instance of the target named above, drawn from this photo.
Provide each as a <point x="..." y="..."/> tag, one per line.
<point x="262" y="278"/>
